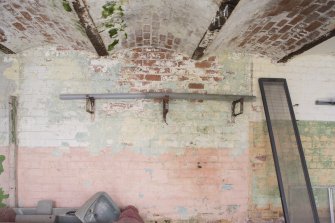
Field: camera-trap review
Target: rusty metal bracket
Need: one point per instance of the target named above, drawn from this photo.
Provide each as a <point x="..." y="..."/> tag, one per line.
<point x="166" y="100"/>
<point x="237" y="107"/>
<point x="90" y="105"/>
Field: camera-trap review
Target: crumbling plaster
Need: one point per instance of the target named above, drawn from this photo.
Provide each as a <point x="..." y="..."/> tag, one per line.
<point x="190" y="169"/>
<point x="128" y="139"/>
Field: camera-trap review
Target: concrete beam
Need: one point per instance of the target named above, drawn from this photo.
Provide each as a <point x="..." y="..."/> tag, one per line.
<point x="5" y="49"/>
<point x="87" y="22"/>
<point x="225" y="10"/>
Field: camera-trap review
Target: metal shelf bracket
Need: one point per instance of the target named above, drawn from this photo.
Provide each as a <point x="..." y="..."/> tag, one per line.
<point x="237" y="100"/>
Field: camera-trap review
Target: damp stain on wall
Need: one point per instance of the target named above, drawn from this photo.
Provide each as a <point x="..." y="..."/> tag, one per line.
<point x="3" y="196"/>
<point x="227" y="187"/>
<point x="318" y="145"/>
<point x="2" y="158"/>
<point x="183" y="212"/>
<point x="196" y="129"/>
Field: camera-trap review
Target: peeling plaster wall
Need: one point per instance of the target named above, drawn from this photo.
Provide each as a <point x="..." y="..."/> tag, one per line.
<point x="202" y="166"/>
<point x="190" y="168"/>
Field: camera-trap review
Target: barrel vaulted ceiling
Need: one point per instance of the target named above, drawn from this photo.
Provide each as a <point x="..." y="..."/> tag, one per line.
<point x="274" y="28"/>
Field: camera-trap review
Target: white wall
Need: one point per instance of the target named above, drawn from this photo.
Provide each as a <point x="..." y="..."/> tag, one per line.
<point x="308" y="77"/>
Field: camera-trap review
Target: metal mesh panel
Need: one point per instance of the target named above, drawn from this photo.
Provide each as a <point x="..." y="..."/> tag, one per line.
<point x="295" y="188"/>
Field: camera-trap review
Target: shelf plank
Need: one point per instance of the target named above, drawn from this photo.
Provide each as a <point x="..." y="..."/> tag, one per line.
<point x="157" y="95"/>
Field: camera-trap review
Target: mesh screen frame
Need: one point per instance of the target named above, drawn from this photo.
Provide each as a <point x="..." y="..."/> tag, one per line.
<point x="284" y="192"/>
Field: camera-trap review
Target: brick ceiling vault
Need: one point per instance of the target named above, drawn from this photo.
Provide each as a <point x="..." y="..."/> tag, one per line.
<point x="177" y="25"/>
<point x="28" y="24"/>
<point x="274" y="28"/>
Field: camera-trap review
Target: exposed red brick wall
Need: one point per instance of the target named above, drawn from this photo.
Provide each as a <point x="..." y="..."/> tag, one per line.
<point x="155" y="69"/>
<point x="150" y="35"/>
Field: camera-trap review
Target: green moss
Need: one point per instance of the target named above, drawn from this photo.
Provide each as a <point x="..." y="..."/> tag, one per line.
<point x="108" y="9"/>
<point x="113" y="44"/>
<point x="121" y="11"/>
<point x="113" y="13"/>
<point x="3" y="196"/>
<point x="2" y="158"/>
<point x="109" y="25"/>
<point x="112" y="32"/>
<point x="2" y="193"/>
<point x="66" y="6"/>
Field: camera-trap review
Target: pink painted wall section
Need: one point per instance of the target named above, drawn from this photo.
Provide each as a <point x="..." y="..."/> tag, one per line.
<point x="203" y="183"/>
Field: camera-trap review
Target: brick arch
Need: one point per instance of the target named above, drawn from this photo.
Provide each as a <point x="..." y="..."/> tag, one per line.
<point x="177" y="25"/>
<point x="28" y="24"/>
